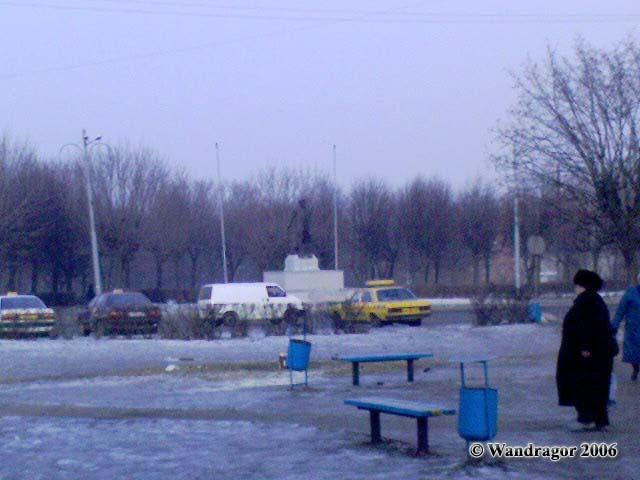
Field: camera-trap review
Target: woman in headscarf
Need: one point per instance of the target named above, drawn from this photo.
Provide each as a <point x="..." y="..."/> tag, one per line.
<point x="586" y="355"/>
<point x="629" y="311"/>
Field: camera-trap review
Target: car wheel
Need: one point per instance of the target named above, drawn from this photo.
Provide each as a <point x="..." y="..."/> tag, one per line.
<point x="350" y="326"/>
<point x="338" y="323"/>
<point x="415" y="323"/>
<point x="375" y="321"/>
<point x="230" y="319"/>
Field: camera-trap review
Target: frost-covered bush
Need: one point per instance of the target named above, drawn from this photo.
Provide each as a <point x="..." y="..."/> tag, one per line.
<point x="67" y="325"/>
<point x="491" y="309"/>
<point x="183" y="322"/>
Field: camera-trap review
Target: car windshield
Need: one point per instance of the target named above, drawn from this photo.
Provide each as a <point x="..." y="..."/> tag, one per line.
<point x="275" y="291"/>
<point x="390" y="294"/>
<point x="127" y="300"/>
<point x="12" y="303"/>
<point x="205" y="293"/>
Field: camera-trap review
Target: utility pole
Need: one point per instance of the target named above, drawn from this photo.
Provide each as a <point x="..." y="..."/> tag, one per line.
<point x="335" y="211"/>
<point x="95" y="256"/>
<point x="221" y="207"/>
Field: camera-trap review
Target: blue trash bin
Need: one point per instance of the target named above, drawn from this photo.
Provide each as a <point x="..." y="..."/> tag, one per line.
<point x="298" y="355"/>
<point x="478" y="413"/>
<point x="535" y="312"/>
<point x="478" y="408"/>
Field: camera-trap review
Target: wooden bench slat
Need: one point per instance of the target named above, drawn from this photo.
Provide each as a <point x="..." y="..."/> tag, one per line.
<point x="391" y="357"/>
<point x="400" y="407"/>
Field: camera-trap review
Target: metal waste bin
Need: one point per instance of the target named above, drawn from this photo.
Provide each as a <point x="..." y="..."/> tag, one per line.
<point x="535" y="312"/>
<point x="298" y="355"/>
<point x="478" y="408"/>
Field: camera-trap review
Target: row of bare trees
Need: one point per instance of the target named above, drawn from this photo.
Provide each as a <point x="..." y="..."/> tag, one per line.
<point x="571" y="141"/>
<point x="158" y="228"/>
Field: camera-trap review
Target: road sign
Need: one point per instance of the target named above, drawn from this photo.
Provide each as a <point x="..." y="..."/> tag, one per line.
<point x="536" y="245"/>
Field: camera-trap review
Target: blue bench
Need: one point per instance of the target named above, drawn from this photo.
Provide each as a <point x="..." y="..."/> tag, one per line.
<point x="410" y="358"/>
<point x="403" y="408"/>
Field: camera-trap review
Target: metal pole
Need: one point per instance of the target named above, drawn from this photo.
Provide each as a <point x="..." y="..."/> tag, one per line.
<point x="221" y="206"/>
<point x="335" y="211"/>
<point x="97" y="278"/>
<point x="516" y="233"/>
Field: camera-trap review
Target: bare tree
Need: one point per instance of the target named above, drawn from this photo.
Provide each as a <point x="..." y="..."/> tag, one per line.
<point x="201" y="226"/>
<point x="575" y="125"/>
<point x="372" y="211"/>
<point x="26" y="214"/>
<point x="165" y="231"/>
<point x="70" y="252"/>
<point x="320" y="199"/>
<point x="241" y="202"/>
<point x="278" y="193"/>
<point x="127" y="183"/>
<point x="429" y="222"/>
<point x="57" y="244"/>
<point x="479" y="218"/>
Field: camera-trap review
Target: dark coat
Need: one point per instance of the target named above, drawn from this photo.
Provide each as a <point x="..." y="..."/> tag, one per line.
<point x="586" y="327"/>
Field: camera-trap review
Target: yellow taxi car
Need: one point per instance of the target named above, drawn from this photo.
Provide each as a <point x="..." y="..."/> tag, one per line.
<point x="382" y="302"/>
<point x="25" y="315"/>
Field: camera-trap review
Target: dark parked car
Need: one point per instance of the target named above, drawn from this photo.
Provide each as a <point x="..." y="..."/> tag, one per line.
<point x="120" y="313"/>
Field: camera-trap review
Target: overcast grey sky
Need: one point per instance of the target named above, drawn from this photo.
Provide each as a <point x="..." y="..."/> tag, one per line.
<point x="413" y="90"/>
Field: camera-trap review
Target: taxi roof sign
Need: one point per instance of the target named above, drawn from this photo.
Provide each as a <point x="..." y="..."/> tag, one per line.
<point x="118" y="290"/>
<point x="12" y="294"/>
<point x="380" y="283"/>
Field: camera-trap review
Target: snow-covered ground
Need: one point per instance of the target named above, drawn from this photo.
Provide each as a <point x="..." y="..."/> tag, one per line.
<point x="20" y="360"/>
<point x="451" y="302"/>
<point x="112" y="409"/>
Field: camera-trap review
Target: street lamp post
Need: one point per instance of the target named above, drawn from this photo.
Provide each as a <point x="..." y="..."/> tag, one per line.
<point x="221" y="206"/>
<point x="95" y="256"/>
<point x="335" y="211"/>
<point x="97" y="277"/>
<point x="516" y="230"/>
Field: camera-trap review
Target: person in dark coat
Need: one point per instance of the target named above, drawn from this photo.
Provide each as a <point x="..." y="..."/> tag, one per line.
<point x="585" y="359"/>
<point x="90" y="293"/>
<point x="629" y="311"/>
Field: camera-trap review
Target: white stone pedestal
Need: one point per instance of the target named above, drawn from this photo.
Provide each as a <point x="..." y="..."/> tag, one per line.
<point x="303" y="278"/>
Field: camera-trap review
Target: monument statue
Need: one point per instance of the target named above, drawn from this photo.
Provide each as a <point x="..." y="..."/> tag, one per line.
<point x="300" y="224"/>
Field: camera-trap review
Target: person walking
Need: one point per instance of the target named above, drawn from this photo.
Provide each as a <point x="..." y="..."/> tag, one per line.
<point x="629" y="310"/>
<point x="585" y="359"/>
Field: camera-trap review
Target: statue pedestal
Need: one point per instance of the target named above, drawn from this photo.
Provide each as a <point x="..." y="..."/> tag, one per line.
<point x="303" y="278"/>
<point x="297" y="263"/>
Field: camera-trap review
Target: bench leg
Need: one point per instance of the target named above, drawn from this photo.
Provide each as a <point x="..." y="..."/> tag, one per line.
<point x="423" y="435"/>
<point x="374" y="418"/>
<point x="355" y="368"/>
<point x="410" y="370"/>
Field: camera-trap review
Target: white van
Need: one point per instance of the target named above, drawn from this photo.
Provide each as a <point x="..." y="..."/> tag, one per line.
<point x="229" y="302"/>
